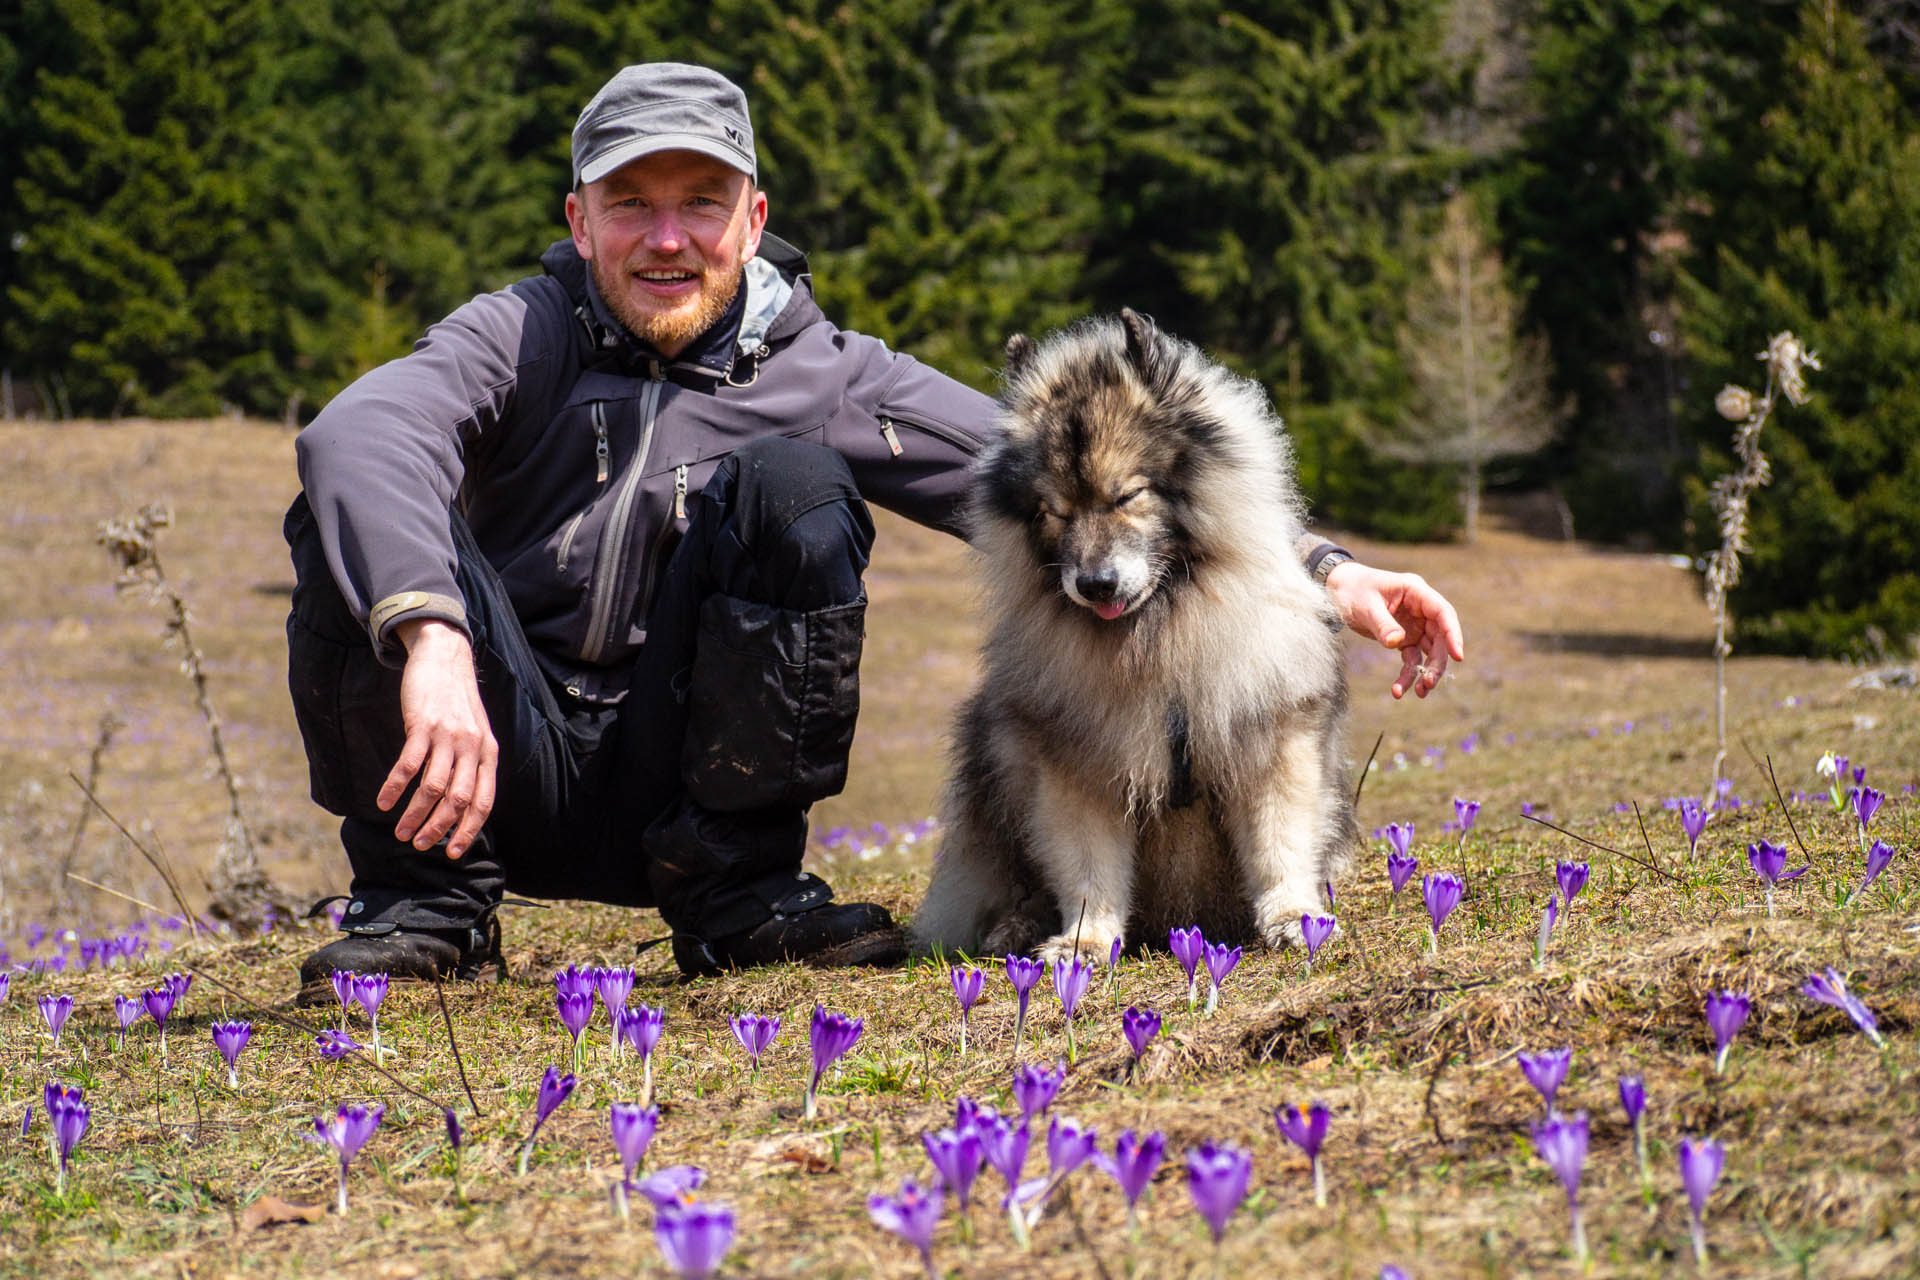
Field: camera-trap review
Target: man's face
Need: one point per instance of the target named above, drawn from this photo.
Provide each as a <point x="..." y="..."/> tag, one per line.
<point x="667" y="238"/>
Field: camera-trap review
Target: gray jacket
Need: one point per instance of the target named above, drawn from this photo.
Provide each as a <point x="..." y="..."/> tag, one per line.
<point x="572" y="449"/>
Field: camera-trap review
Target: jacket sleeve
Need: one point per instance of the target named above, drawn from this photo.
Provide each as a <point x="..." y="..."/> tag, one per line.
<point x="382" y="463"/>
<point x="909" y="433"/>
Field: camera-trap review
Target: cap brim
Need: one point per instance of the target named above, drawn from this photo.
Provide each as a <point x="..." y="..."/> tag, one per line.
<point x="602" y="165"/>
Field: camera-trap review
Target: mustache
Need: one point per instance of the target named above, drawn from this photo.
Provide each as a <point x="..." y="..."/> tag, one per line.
<point x="669" y="264"/>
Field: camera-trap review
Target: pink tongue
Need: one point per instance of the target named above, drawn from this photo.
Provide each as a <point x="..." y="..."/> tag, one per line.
<point x="1111" y="610"/>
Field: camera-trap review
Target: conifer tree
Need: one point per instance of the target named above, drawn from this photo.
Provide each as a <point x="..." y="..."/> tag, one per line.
<point x="1813" y="229"/>
<point x="1481" y="389"/>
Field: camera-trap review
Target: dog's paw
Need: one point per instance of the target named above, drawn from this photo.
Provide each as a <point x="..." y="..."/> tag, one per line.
<point x="1281" y="930"/>
<point x="1015" y="935"/>
<point x="1094" y="947"/>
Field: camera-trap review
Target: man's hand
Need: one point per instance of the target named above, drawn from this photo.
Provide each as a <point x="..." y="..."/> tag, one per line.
<point x="1401" y="612"/>
<point x="449" y="744"/>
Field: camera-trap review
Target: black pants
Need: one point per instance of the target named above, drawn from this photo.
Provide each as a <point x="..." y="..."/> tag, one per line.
<point x="690" y="793"/>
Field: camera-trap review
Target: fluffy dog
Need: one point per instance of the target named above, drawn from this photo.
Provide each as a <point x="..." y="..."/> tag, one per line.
<point x="1158" y="737"/>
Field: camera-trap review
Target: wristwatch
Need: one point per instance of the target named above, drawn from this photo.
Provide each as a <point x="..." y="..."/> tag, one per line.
<point x="1324" y="560"/>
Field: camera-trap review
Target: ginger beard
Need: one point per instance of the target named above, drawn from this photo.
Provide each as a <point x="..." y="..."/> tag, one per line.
<point x="669" y="327"/>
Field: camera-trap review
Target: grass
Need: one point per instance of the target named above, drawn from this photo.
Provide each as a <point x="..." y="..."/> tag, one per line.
<point x="1428" y="1163"/>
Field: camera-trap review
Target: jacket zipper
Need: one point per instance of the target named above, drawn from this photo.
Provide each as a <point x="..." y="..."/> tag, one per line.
<point x="893" y="441"/>
<point x="680" y="492"/>
<point x="959" y="440"/>
<point x="613" y="539"/>
<point x="601" y="456"/>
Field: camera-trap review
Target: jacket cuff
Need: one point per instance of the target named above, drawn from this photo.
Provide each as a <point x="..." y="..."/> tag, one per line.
<point x="403" y="606"/>
<point x="1312" y="549"/>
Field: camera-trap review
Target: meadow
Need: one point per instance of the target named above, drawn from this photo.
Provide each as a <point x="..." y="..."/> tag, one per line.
<point x="1584" y="702"/>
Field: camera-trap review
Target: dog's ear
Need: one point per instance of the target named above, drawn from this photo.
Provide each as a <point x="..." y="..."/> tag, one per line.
<point x="1020" y="349"/>
<point x="1141" y="342"/>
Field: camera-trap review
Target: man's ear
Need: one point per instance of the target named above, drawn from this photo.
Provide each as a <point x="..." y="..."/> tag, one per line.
<point x="756" y="223"/>
<point x="577" y="223"/>
<point x="1020" y="349"/>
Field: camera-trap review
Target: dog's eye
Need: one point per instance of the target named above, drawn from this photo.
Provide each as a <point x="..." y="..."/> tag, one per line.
<point x="1129" y="496"/>
<point x="1048" y="513"/>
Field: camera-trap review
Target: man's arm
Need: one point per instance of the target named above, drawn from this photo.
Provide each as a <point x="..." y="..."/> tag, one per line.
<point x="450" y="746"/>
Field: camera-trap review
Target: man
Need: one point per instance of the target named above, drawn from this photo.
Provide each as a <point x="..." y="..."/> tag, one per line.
<point x="579" y="580"/>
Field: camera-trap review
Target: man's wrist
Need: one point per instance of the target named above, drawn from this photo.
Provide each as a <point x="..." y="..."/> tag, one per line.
<point x="428" y="631"/>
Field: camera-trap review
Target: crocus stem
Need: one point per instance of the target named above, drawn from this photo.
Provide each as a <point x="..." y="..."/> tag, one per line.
<point x="1720" y="1060"/>
<point x="1019" y="1027"/>
<point x="233" y="1078"/>
<point x="1579" y="1235"/>
<point x="1640" y="1155"/>
<point x="1072" y="1055"/>
<point x="1018" y="1222"/>
<point x="340" y="1201"/>
<point x="1433" y="941"/>
<point x="812" y="1085"/>
<point x="1699" y="1244"/>
<point x="1192" y="992"/>
<point x="963" y="1033"/>
<point x="526" y="1151"/>
<point x="646" y="1081"/>
<point x="1769" y="902"/>
<point x="1319" y="1184"/>
<point x="376" y="1042"/>
<point x="1213" y="997"/>
<point x="620" y="1200"/>
<point x="60" y="1178"/>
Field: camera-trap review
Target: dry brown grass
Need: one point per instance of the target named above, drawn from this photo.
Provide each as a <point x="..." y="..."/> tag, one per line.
<point x="1428" y="1165"/>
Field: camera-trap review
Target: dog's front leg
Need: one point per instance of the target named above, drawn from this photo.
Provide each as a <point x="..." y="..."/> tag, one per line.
<point x="1084" y="846"/>
<point x="1277" y="826"/>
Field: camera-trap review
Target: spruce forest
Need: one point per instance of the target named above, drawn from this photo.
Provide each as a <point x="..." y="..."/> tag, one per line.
<point x="235" y="206"/>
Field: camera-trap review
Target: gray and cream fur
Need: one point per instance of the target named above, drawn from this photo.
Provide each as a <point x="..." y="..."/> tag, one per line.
<point x="1157" y="739"/>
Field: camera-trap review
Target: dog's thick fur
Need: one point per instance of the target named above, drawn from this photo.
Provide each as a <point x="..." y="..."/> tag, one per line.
<point x="1137" y="523"/>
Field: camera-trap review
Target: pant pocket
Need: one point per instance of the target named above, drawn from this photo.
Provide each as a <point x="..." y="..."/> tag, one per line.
<point x="771" y="703"/>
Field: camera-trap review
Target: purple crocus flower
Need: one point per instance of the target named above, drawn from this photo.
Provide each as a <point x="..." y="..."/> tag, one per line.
<point x="1442" y="890"/>
<point x="1693" y="821"/>
<point x="1139" y="1026"/>
<point x="346" y="1133"/>
<point x="1400" y="869"/>
<point x="1024" y="973"/>
<point x="1546" y="1071"/>
<point x="1217" y="1178"/>
<point x="1700" y="1165"/>
<point x="1831" y="988"/>
<point x="230" y="1038"/>
<point x="1004" y="1144"/>
<point x="1069" y="1145"/>
<point x="6" y="979"/>
<point x="1070" y="979"/>
<point x="1562" y="1144"/>
<point x="1188" y="948"/>
<point x="1866" y="803"/>
<point x="1221" y="961"/>
<point x="1307" y="1131"/>
<point x="830" y="1035"/>
<point x="1133" y="1164"/>
<point x="1464" y="812"/>
<point x="672" y="1186"/>
<point x="957" y="1156"/>
<point x="342" y="981"/>
<point x="1035" y="1088"/>
<point x="456" y="1136"/>
<point x="1400" y="836"/>
<point x="1315" y="930"/>
<point x="554" y="1090"/>
<point x="694" y="1238"/>
<point x="178" y="983"/>
<point x="968" y="983"/>
<point x="576" y="1010"/>
<point x="640" y="1028"/>
<point x="754" y="1033"/>
<point x="912" y="1215"/>
<point x="55" y="1009"/>
<point x="1633" y="1101"/>
<point x="1878" y="857"/>
<point x="1726" y="1013"/>
<point x="1769" y="862"/>
<point x="159" y="1003"/>
<point x="573" y="980"/>
<point x="334" y="1043"/>
<point x="67" y="1114"/>
<point x="614" y="986"/>
<point x="632" y="1127"/>
<point x="369" y="989"/>
<point x="1572" y="877"/>
<point x="126" y="1012"/>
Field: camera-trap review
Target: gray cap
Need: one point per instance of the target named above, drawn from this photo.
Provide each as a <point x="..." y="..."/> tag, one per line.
<point x="662" y="106"/>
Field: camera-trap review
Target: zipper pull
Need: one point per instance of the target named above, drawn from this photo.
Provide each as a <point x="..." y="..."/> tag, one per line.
<point x="893" y="441"/>
<point x="680" y="492"/>
<point x="602" y="456"/>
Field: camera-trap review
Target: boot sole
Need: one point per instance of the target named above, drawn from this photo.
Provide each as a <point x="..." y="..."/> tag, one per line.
<point x="316" y="994"/>
<point x="883" y="948"/>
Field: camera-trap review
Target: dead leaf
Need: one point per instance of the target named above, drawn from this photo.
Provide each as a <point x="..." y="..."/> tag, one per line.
<point x="810" y="1155"/>
<point x="270" y="1211"/>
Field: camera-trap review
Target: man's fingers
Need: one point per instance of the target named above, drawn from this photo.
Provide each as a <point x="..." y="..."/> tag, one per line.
<point x="411" y="756"/>
<point x="476" y="815"/>
<point x="1434" y="667"/>
<point x="453" y="806"/>
<point x="432" y="785"/>
<point x="1409" y="670"/>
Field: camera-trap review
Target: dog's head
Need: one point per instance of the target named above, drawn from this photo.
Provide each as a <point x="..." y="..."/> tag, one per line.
<point x="1107" y="439"/>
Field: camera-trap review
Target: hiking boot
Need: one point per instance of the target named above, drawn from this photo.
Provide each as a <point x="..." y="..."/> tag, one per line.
<point x="830" y="936"/>
<point x="405" y="955"/>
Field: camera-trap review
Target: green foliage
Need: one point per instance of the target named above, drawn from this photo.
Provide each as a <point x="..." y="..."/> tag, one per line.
<point x="1817" y="235"/>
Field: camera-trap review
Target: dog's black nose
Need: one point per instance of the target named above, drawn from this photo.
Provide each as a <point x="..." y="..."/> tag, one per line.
<point x="1097" y="586"/>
